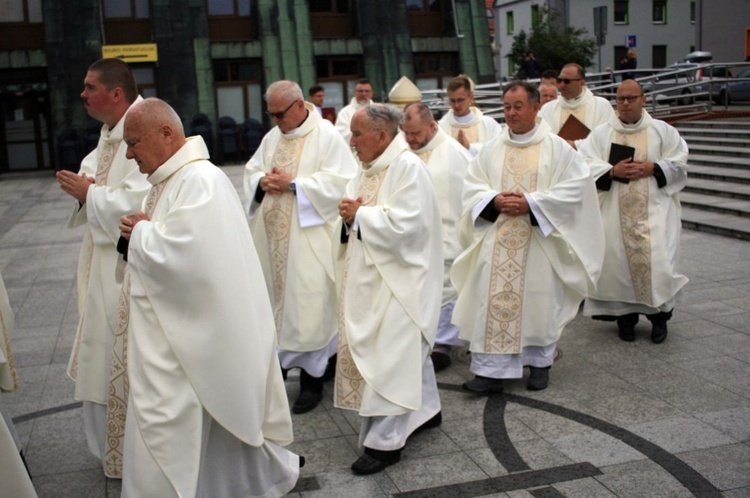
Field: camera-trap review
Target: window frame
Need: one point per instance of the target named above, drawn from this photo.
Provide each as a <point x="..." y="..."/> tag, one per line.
<point x="663" y="10"/>
<point x="510" y="23"/>
<point x="626" y="19"/>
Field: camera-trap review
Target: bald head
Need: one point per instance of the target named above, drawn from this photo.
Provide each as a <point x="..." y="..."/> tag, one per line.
<point x="419" y="125"/>
<point x="153" y="134"/>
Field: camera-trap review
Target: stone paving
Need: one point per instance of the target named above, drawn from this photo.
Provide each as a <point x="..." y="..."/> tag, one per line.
<point x="618" y="419"/>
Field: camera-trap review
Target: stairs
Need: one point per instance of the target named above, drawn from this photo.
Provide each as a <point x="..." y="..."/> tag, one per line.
<point x="717" y="196"/>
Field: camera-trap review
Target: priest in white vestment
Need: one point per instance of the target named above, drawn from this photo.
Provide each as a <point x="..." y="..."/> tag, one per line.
<point x="14" y="478"/>
<point x="208" y="412"/>
<point x="639" y="202"/>
<point x="533" y="241"/>
<point x="576" y="100"/>
<point x="362" y="97"/>
<point x="108" y="186"/>
<point x="447" y="161"/>
<point x="465" y="122"/>
<point x="389" y="263"/>
<point x="293" y="185"/>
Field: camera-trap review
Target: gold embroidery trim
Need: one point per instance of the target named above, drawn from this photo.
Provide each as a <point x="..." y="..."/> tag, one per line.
<point x="634" y="222"/>
<point x="504" y="323"/>
<point x="277" y="216"/>
<point x="350" y="385"/>
<point x="119" y="387"/>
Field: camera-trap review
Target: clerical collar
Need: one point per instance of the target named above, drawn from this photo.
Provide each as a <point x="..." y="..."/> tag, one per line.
<point x="631" y="126"/>
<point x="524" y="137"/>
<point x="464" y="119"/>
<point x="299" y="125"/>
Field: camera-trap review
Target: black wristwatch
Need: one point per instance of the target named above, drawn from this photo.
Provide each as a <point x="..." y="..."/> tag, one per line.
<point x="293" y="188"/>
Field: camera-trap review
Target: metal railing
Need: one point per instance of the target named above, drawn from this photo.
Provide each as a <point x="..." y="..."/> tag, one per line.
<point x="670" y="92"/>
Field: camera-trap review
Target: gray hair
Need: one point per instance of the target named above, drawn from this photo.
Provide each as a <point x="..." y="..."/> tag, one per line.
<point x="289" y="90"/>
<point x="158" y="112"/>
<point x="384" y="116"/>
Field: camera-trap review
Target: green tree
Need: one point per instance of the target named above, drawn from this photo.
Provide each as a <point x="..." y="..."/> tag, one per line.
<point x="553" y="45"/>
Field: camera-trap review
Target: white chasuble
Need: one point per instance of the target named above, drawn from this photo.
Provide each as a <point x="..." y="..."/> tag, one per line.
<point x="8" y="376"/>
<point x="641" y="220"/>
<point x="516" y="287"/>
<point x="477" y="131"/>
<point x="588" y="108"/>
<point x="296" y="256"/>
<point x="200" y="339"/>
<point x="447" y="161"/>
<point x="389" y="274"/>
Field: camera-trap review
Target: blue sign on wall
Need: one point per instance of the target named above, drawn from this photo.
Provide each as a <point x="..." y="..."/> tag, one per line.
<point x="631" y="41"/>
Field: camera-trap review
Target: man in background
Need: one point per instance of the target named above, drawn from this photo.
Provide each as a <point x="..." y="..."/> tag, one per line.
<point x="362" y="97"/>
<point x="465" y="122"/>
<point x="446" y="162"/>
<point x="293" y="185"/>
<point x="641" y="212"/>
<point x="317" y="96"/>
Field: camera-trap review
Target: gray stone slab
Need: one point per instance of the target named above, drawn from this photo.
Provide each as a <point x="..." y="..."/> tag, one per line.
<point x="731" y="374"/>
<point x="641" y="478"/>
<point x="77" y="484"/>
<point x="542" y="454"/>
<point x="322" y="455"/>
<point x="632" y="409"/>
<point x="596" y="448"/>
<point x="726" y="467"/>
<point x="344" y="484"/>
<point x="667" y="433"/>
<point x="734" y="423"/>
<point x="583" y="488"/>
<point x="438" y="470"/>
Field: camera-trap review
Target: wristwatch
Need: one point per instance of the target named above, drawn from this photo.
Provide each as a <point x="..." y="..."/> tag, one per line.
<point x="293" y="188"/>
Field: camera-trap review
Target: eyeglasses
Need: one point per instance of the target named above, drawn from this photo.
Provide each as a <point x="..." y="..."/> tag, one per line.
<point x="628" y="98"/>
<point x="280" y="115"/>
<point x="568" y="80"/>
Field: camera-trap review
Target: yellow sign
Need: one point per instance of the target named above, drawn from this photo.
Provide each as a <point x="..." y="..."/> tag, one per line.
<point x="144" y="52"/>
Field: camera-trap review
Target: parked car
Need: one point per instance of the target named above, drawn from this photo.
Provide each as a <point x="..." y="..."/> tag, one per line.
<point x="736" y="91"/>
<point x="698" y="76"/>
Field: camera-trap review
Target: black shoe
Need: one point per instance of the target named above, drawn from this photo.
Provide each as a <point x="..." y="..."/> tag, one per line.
<point x="658" y="332"/>
<point x="306" y="401"/>
<point x="301" y="461"/>
<point x="483" y="385"/>
<point x="374" y="461"/>
<point x="538" y="379"/>
<point x="440" y="361"/>
<point x="626" y="327"/>
<point x="330" y="372"/>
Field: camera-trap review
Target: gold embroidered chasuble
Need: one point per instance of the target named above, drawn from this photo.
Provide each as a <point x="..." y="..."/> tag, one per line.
<point x="516" y="286"/>
<point x="277" y="216"/>
<point x="634" y="221"/>
<point x="510" y="257"/>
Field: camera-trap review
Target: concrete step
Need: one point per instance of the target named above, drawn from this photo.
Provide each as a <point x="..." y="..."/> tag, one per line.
<point x="724" y="205"/>
<point x="716" y="141"/>
<point x="720" y="150"/>
<point x="717" y="133"/>
<point x="737" y="227"/>
<point x="719" y="161"/>
<point x="733" y="175"/>
<point x="718" y="188"/>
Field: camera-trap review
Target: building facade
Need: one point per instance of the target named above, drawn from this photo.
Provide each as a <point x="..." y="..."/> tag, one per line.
<point x="216" y="57"/>
<point x="660" y="31"/>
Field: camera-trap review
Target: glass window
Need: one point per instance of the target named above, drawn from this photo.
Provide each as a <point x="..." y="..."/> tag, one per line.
<point x="415" y="5"/>
<point x="11" y="11"/>
<point x="35" y="10"/>
<point x="621" y="12"/>
<point x="228" y="7"/>
<point x="141" y="9"/>
<point x="117" y="8"/>
<point x="659" y="55"/>
<point x="692" y="11"/>
<point x="509" y="22"/>
<point x="660" y="12"/>
<point x="535" y="17"/>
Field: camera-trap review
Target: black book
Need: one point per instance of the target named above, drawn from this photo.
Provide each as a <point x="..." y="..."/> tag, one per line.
<point x="619" y="152"/>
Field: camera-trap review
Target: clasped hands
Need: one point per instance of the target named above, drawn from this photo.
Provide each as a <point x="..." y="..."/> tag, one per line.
<point x="348" y="209"/>
<point x="73" y="184"/>
<point x="511" y="203"/>
<point x="633" y="170"/>
<point x="129" y="221"/>
<point x="276" y="182"/>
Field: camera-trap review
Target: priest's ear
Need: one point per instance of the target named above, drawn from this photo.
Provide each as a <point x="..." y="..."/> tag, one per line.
<point x="167" y="132"/>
